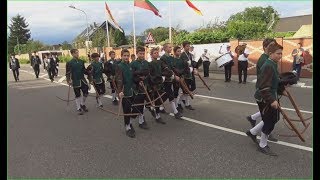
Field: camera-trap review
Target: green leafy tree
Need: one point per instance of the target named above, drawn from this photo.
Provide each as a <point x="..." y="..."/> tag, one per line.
<point x="99" y="38"/>
<point x="66" y="46"/>
<point x="251" y="23"/>
<point x="119" y="38"/>
<point x="19" y="32"/>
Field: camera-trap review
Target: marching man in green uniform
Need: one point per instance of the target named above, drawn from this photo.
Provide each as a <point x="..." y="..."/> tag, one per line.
<point x="168" y="60"/>
<point x="75" y="71"/>
<point x="96" y="71"/>
<point x="263" y="58"/>
<point x="158" y="72"/>
<point x="266" y="96"/>
<point x="126" y="87"/>
<point x="140" y="70"/>
<point x="192" y="63"/>
<point x="109" y="70"/>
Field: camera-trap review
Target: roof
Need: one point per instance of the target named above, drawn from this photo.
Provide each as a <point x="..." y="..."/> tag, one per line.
<point x="94" y="27"/>
<point x="304" y="31"/>
<point x="292" y="24"/>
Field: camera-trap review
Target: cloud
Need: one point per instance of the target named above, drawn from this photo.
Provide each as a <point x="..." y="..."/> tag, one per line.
<point x="53" y="21"/>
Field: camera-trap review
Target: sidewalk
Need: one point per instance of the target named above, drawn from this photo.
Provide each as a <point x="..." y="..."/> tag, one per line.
<point x="219" y="75"/>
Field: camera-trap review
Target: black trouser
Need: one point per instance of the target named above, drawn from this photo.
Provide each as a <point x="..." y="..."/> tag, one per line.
<point x="206" y="65"/>
<point x="112" y="88"/>
<point x="36" y="69"/>
<point x="227" y="71"/>
<point x="158" y="102"/>
<point x="101" y="88"/>
<point x="56" y="71"/>
<point x="15" y="74"/>
<point x="242" y="66"/>
<point x="176" y="86"/>
<point x="189" y="83"/>
<point x="269" y="115"/>
<point x="168" y="90"/>
<point x="51" y="72"/>
<point x="126" y="107"/>
<point x="84" y="88"/>
<point x="138" y="99"/>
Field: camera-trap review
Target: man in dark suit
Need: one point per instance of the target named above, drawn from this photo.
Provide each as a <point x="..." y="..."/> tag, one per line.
<point x="14" y="67"/>
<point x="51" y="67"/>
<point x="35" y="63"/>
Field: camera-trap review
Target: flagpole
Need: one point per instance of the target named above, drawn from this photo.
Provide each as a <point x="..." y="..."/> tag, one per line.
<point x="170" y="38"/>
<point x="134" y="31"/>
<point x="107" y="25"/>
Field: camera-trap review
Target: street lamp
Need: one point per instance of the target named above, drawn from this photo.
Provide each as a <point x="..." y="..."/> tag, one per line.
<point x="71" y="6"/>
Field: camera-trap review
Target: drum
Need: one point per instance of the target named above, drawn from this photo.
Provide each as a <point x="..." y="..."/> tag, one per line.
<point x="223" y="60"/>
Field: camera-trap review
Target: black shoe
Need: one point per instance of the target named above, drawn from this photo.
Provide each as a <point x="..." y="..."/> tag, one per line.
<point x="266" y="150"/>
<point x="132" y="128"/>
<point x="253" y="137"/>
<point x="189" y="107"/>
<point x="160" y="121"/>
<point x="131" y="133"/>
<point x="184" y="101"/>
<point x="101" y="106"/>
<point x="229" y="80"/>
<point x="252" y="122"/>
<point x="80" y="112"/>
<point x="225" y="80"/>
<point x="179" y="108"/>
<point x="240" y="82"/>
<point x="144" y="125"/>
<point x="178" y="115"/>
<point x="271" y="138"/>
<point x="152" y="113"/>
<point x="244" y="82"/>
<point x="84" y="108"/>
<point x="115" y="102"/>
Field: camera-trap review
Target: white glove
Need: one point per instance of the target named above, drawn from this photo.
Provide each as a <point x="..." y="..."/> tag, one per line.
<point x="163" y="78"/>
<point x="10" y="69"/>
<point x="31" y="67"/>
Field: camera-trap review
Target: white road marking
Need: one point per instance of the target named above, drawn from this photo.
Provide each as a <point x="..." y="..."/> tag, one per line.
<point x="62" y="79"/>
<point x="248" y="103"/>
<point x="296" y="146"/>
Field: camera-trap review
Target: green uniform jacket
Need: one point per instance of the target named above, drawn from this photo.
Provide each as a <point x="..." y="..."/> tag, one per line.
<point x="140" y="68"/>
<point x="268" y="82"/>
<point x="97" y="71"/>
<point x="181" y="69"/>
<point x="75" y="70"/>
<point x="168" y="60"/>
<point x="124" y="79"/>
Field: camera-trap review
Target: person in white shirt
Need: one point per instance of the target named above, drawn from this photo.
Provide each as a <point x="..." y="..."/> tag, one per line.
<point x="206" y="63"/>
<point x="243" y="64"/>
<point x="227" y="67"/>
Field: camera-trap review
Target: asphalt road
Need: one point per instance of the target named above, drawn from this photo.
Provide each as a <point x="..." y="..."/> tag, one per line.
<point x="47" y="139"/>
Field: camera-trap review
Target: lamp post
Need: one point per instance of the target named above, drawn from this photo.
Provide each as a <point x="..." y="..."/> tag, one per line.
<point x="71" y="6"/>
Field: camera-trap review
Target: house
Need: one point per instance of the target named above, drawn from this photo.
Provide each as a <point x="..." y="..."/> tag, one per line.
<point x="293" y="24"/>
<point x="92" y="29"/>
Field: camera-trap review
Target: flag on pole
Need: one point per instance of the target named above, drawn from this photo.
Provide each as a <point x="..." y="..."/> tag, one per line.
<point x="193" y="7"/>
<point x="146" y="4"/>
<point x="111" y="17"/>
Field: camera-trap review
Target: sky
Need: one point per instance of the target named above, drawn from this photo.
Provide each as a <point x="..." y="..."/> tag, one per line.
<point x="53" y="22"/>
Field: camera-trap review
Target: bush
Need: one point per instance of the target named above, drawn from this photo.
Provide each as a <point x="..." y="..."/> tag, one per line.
<point x="64" y="59"/>
<point x="24" y="61"/>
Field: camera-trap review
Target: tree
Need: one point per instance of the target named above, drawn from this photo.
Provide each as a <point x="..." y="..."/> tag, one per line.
<point x="99" y="38"/>
<point x="159" y="33"/>
<point x="119" y="38"/>
<point x="19" y="32"/>
<point x="29" y="47"/>
<point x="251" y="23"/>
<point x="66" y="46"/>
<point x="79" y="42"/>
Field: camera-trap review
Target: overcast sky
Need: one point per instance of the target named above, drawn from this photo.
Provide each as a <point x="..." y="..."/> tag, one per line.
<point x="54" y="22"/>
